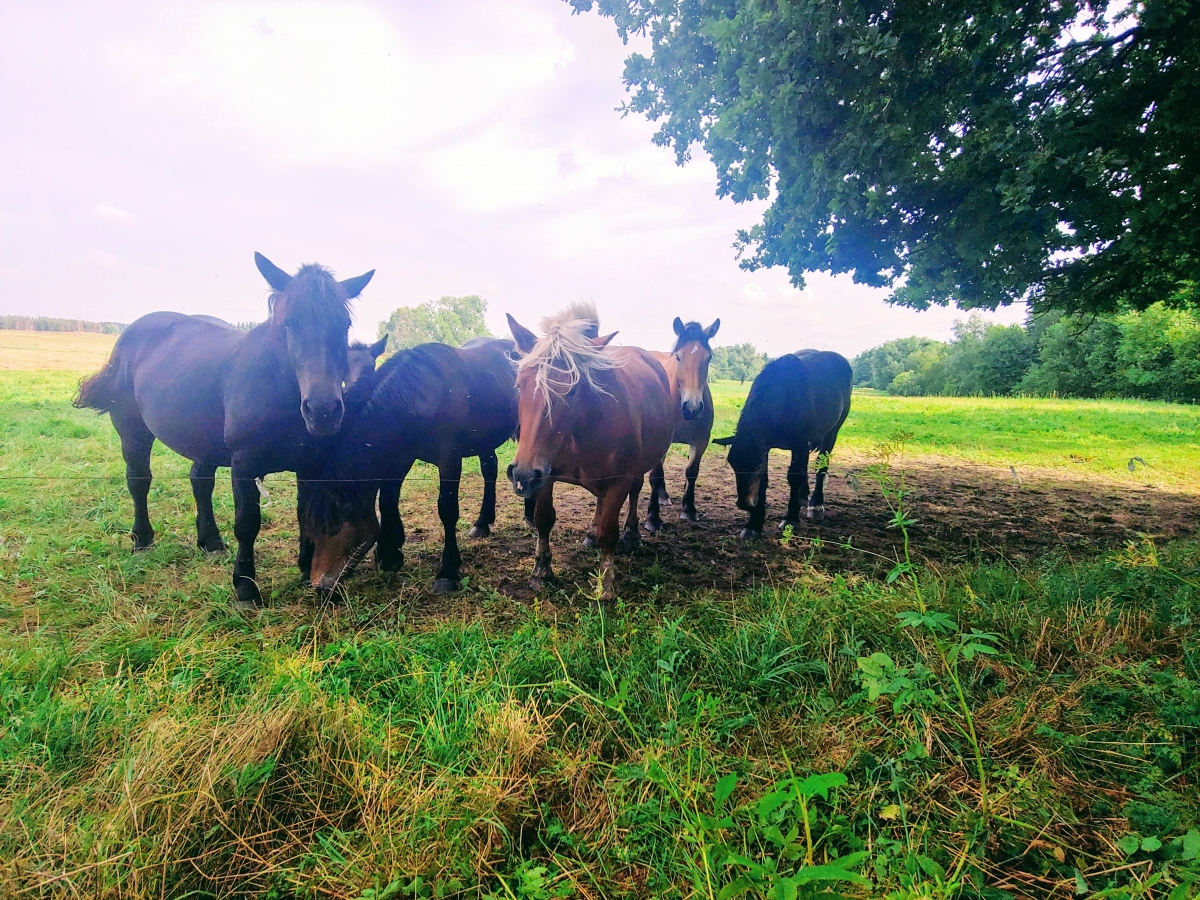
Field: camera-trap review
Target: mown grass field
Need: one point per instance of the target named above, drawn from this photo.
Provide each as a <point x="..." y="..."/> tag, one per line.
<point x="986" y="729"/>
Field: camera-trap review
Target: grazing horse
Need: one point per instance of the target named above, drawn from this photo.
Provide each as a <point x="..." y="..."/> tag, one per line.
<point x="597" y="416"/>
<point x="223" y="397"/>
<point x="432" y="403"/>
<point x="687" y="370"/>
<point x="798" y="402"/>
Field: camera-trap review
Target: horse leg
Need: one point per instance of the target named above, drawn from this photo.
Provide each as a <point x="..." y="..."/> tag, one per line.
<point x="449" y="474"/>
<point x="631" y="539"/>
<point x="816" y="506"/>
<point x="543" y="518"/>
<point x="530" y="506"/>
<point x="608" y="524"/>
<point x="307" y="547"/>
<point x="389" y="550"/>
<point x="136" y="444"/>
<point x="489" y="466"/>
<point x="797" y="477"/>
<point x="208" y="536"/>
<point x="589" y="539"/>
<point x="758" y="512"/>
<point x="653" y="514"/>
<point x="247" y="520"/>
<point x="695" y="454"/>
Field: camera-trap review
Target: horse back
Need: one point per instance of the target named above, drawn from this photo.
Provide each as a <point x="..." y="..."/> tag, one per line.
<point x="798" y="399"/>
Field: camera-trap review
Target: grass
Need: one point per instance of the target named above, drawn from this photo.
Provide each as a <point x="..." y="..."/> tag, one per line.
<point x="778" y="741"/>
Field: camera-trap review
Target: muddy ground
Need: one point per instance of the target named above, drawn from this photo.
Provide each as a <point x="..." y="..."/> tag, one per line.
<point x="964" y="512"/>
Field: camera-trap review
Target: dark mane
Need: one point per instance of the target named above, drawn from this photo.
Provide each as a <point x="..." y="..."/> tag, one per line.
<point x="692" y="331"/>
<point x="313" y="294"/>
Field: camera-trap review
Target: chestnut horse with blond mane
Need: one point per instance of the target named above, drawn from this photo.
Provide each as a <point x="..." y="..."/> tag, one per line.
<point x="597" y="416"/>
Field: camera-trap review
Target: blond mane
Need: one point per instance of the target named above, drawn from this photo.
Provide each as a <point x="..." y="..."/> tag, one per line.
<point x="566" y="347"/>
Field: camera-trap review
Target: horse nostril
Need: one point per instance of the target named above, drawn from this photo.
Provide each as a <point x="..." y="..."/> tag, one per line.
<point x="537" y="474"/>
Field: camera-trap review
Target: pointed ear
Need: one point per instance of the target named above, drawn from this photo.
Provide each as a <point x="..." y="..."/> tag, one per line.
<point x="711" y="330"/>
<point x="723" y="442"/>
<point x="604" y="341"/>
<point x="354" y="286"/>
<point x="378" y="347"/>
<point x="276" y="277"/>
<point x="678" y="326"/>
<point x="523" y="336"/>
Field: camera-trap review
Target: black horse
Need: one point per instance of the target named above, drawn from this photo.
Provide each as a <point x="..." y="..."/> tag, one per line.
<point x="432" y="403"/>
<point x="798" y="402"/>
<point x="223" y="397"/>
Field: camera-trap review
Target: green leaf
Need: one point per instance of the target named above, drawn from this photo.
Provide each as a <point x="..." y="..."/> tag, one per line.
<point x="1191" y="845"/>
<point x="821" y="785"/>
<point x="1150" y="844"/>
<point x="1129" y="844"/>
<point x="723" y="789"/>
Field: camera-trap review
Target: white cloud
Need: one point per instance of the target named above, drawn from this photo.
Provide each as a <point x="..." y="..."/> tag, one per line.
<point x="111" y="213"/>
<point x="100" y="259"/>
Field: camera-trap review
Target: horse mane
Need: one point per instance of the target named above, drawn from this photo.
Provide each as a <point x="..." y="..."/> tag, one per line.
<point x="313" y="294"/>
<point x="692" y="331"/>
<point x="566" y="346"/>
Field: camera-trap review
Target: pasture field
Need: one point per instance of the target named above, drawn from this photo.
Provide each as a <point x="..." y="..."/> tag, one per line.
<point x="1016" y="715"/>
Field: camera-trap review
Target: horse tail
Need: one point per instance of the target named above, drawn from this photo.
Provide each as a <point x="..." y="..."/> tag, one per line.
<point x="103" y="390"/>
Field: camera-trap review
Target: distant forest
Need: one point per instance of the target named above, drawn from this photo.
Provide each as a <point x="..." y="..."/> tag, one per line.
<point x="45" y="323"/>
<point x="1152" y="354"/>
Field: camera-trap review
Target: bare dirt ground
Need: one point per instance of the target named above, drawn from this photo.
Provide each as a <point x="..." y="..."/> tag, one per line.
<point x="964" y="511"/>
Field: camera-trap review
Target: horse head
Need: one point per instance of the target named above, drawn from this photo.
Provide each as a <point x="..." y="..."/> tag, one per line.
<point x="692" y="356"/>
<point x="556" y="387"/>
<point x="310" y="320"/>
<point x="748" y="459"/>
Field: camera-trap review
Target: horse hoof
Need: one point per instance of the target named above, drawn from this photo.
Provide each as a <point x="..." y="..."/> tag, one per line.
<point x="479" y="531"/>
<point x="445" y="585"/>
<point x="590" y="542"/>
<point x="216" y="549"/>
<point x="816" y="513"/>
<point x="653" y="525"/>
<point x="789" y="523"/>
<point x="630" y="541"/>
<point x="139" y="547"/>
<point x="529" y="522"/>
<point x="664" y="498"/>
<point x="537" y="582"/>
<point x="689" y="515"/>
<point x="246" y="596"/>
<point x="390" y="563"/>
<point x="750" y="534"/>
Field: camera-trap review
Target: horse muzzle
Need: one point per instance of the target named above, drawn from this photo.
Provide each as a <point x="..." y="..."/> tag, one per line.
<point x="692" y="410"/>
<point x="323" y="418"/>
<point x="526" y="482"/>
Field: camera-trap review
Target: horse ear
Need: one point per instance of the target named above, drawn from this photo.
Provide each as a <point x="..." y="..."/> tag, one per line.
<point x="723" y="442"/>
<point x="276" y="277"/>
<point x="354" y="286"/>
<point x="378" y="347"/>
<point x="678" y="326"/>
<point x="523" y="336"/>
<point x="711" y="330"/>
<point x="604" y="341"/>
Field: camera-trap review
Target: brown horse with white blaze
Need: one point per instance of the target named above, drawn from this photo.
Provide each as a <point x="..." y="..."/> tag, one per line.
<point x="597" y="416"/>
<point x="686" y="366"/>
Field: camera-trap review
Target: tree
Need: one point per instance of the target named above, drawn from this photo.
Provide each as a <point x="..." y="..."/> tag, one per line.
<point x="741" y="362"/>
<point x="450" y="320"/>
<point x="964" y="153"/>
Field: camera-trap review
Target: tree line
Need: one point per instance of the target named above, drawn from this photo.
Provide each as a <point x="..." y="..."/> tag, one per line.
<point x="1151" y="354"/>
<point x="46" y="323"/>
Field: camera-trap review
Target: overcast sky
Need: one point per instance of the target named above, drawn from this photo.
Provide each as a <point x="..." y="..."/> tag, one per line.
<point x="148" y="149"/>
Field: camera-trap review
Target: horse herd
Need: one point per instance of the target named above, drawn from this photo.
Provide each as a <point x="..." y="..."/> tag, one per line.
<point x="293" y="395"/>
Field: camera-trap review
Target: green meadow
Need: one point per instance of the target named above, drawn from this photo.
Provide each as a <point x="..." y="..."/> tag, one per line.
<point x="928" y="731"/>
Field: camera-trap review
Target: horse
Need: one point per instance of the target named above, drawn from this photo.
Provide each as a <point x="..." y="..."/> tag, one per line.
<point x="798" y="402"/>
<point x="432" y="403"/>
<point x="687" y="370"/>
<point x="597" y="416"/>
<point x="223" y="397"/>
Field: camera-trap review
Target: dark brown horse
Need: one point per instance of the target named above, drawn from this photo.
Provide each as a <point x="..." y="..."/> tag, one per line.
<point x="798" y="402"/>
<point x="597" y="416"/>
<point x="223" y="397"/>
<point x="432" y="403"/>
<point x="687" y="370"/>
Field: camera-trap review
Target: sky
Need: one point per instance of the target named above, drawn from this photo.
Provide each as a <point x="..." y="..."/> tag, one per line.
<point x="148" y="149"/>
